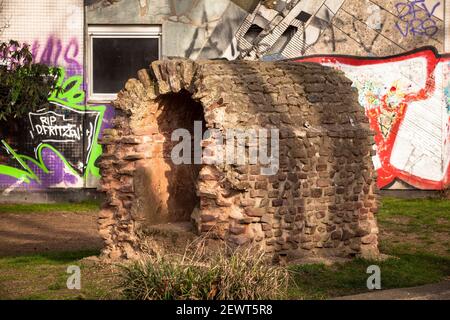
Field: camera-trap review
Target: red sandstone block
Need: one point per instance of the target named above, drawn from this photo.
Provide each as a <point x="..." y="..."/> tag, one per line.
<point x="146" y="131"/>
<point x="237" y="230"/>
<point x="277" y="202"/>
<point x="254" y="212"/>
<point x="247" y="202"/>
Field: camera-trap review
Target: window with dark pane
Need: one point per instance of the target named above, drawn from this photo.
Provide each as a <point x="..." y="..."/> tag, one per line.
<point x="115" y="60"/>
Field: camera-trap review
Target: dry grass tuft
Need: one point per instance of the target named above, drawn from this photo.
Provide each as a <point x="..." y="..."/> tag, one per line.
<point x="226" y="274"/>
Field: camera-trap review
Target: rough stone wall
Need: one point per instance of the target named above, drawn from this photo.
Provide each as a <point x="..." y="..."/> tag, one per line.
<point x="322" y="200"/>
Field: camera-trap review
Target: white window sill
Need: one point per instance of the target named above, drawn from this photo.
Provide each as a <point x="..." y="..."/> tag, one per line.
<point x="102" y="98"/>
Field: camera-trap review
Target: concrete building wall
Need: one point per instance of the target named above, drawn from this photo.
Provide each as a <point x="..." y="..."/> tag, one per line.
<point x="209" y="29"/>
<point x="189" y="26"/>
<point x="382" y="28"/>
<point x="55" y="29"/>
<point x="406" y="97"/>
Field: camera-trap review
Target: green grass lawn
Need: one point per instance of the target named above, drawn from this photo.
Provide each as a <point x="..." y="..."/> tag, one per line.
<point x="87" y="206"/>
<point x="414" y="232"/>
<point x="317" y="281"/>
<point x="422" y="216"/>
<point x="44" y="276"/>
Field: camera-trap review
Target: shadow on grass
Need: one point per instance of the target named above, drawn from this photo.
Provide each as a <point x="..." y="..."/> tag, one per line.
<point x="47" y="258"/>
<point x="87" y="206"/>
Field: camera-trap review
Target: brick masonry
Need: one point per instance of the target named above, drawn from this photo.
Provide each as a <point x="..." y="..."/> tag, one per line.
<point x="321" y="202"/>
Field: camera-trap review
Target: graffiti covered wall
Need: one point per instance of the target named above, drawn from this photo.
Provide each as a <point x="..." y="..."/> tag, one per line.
<point x="406" y="97"/>
<point x="54" y="29"/>
<point x="295" y="28"/>
<point x="55" y="146"/>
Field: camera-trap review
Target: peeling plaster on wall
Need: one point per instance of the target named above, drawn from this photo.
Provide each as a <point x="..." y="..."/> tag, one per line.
<point x="374" y="20"/>
<point x="143" y="4"/>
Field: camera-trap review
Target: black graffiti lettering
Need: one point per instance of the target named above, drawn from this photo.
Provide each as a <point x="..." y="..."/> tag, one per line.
<point x="68" y="130"/>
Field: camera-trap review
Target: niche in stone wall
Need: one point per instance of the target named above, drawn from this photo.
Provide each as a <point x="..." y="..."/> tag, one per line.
<point x="168" y="181"/>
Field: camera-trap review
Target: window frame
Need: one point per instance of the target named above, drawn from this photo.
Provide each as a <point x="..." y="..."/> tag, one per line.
<point x="114" y="31"/>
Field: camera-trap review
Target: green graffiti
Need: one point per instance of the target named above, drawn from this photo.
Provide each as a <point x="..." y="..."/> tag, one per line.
<point x="28" y="173"/>
<point x="71" y="96"/>
<point x="17" y="173"/>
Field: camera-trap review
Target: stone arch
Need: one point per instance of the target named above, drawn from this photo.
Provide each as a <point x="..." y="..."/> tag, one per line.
<point x="321" y="199"/>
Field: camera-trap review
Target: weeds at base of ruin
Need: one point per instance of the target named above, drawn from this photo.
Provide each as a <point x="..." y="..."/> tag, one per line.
<point x="226" y="274"/>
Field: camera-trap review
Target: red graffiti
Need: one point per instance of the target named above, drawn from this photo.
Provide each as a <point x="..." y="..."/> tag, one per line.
<point x="385" y="141"/>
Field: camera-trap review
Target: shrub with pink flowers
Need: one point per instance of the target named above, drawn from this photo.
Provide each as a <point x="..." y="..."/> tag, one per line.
<point x="24" y="85"/>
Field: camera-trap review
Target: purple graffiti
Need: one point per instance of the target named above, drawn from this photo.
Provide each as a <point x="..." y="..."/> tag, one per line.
<point x="57" y="175"/>
<point x="55" y="54"/>
<point x="416" y="18"/>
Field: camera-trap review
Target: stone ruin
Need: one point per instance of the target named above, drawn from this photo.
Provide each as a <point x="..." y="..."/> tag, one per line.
<point x="320" y="202"/>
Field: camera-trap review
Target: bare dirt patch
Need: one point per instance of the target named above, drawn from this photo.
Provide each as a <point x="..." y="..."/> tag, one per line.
<point x="45" y="232"/>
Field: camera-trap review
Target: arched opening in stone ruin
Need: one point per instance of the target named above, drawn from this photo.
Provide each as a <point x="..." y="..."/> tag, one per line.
<point x="320" y="201"/>
<point x="176" y="164"/>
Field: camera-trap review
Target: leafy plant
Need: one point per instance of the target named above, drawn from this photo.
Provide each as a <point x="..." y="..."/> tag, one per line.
<point x="24" y="85"/>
